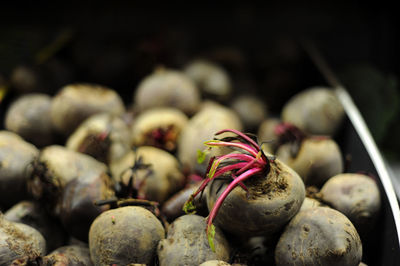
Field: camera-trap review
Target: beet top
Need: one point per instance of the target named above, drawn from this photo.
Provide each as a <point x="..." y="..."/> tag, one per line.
<point x="247" y="162"/>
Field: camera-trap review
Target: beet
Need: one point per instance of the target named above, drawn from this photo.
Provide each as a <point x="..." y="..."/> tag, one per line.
<point x="356" y="196"/>
<point x="320" y="235"/>
<point x="103" y="136"/>
<point x="210" y="78"/>
<point x="77" y="208"/>
<point x="76" y="102"/>
<point x="16" y="157"/>
<point x="29" y="117"/>
<point x="271" y="202"/>
<point x="251" y="110"/>
<point x="69" y="255"/>
<point x="158" y="127"/>
<point x="32" y="214"/>
<point x="170" y="88"/>
<point x="186" y="243"/>
<point x="315" y="110"/>
<point x="19" y="242"/>
<point x="316" y="160"/>
<point x="57" y="166"/>
<point x="125" y="235"/>
<point x="201" y="127"/>
<point x="155" y="173"/>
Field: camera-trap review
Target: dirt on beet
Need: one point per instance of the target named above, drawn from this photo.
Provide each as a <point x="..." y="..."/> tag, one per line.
<point x="271" y="185"/>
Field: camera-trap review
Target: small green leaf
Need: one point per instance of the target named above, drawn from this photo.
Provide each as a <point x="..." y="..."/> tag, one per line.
<point x="201" y="155"/>
<point x="189" y="208"/>
<point x="210" y="236"/>
<point x="213" y="169"/>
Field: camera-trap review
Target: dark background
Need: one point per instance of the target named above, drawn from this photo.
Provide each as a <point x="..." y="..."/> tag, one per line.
<point x="117" y="43"/>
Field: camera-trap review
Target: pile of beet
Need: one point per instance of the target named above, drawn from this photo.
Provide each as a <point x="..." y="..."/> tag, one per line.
<point x="190" y="173"/>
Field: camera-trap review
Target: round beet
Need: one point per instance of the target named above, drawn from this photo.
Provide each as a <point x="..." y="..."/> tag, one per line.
<point x="201" y="127"/>
<point x="16" y="155"/>
<point x="76" y="102"/>
<point x="316" y="111"/>
<point x="57" y="166"/>
<point x="316" y="159"/>
<point x="19" y="242"/>
<point x="32" y="214"/>
<point x="187" y="244"/>
<point x="170" y="88"/>
<point x="159" y="127"/>
<point x="321" y="235"/>
<point x="77" y="208"/>
<point x="251" y="110"/>
<point x="69" y="255"/>
<point x="211" y="79"/>
<point x="29" y="117"/>
<point x="356" y="196"/>
<point x="103" y="136"/>
<point x="125" y="235"/>
<point x="271" y="201"/>
<point x="153" y="173"/>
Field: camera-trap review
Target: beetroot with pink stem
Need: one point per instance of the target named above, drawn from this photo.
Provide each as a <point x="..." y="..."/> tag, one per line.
<point x="268" y="196"/>
<point x="314" y="158"/>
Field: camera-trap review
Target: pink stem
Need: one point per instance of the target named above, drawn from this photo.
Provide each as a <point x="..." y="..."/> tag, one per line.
<point x="219" y="159"/>
<point x="241" y="135"/>
<point x="230" y="168"/>
<point x="225" y="193"/>
<point x="248" y="165"/>
<point x="242" y="146"/>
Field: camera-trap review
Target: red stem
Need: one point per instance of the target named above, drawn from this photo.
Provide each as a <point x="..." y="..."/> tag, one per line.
<point x="250" y="164"/>
<point x="241" y="135"/>
<point x="242" y="146"/>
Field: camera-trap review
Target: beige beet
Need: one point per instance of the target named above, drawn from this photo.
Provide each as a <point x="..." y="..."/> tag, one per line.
<point x="201" y="127"/>
<point x="315" y="110"/>
<point x="55" y="168"/>
<point x="33" y="214"/>
<point x="321" y="235"/>
<point x="125" y="235"/>
<point x="76" y="102"/>
<point x="317" y="159"/>
<point x="149" y="125"/>
<point x="16" y="157"/>
<point x="166" y="87"/>
<point x="29" y="117"/>
<point x="71" y="255"/>
<point x="186" y="243"/>
<point x="212" y="79"/>
<point x="19" y="241"/>
<point x="165" y="175"/>
<point x="356" y="196"/>
<point x="251" y="110"/>
<point x="103" y="136"/>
